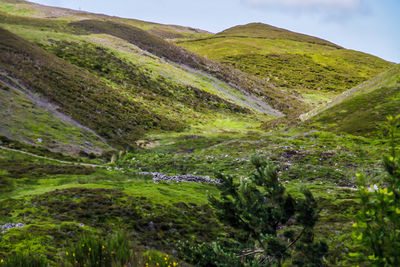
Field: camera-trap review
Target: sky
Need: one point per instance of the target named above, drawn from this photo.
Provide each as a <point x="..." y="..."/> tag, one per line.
<point x="371" y="26"/>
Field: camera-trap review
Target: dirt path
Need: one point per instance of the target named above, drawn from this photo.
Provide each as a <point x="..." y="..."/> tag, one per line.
<point x="56" y="160"/>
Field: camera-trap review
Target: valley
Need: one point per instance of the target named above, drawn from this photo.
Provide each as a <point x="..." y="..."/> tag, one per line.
<point x="92" y="104"/>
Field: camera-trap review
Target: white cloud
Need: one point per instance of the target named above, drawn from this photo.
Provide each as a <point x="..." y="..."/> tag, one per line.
<point x="335" y="4"/>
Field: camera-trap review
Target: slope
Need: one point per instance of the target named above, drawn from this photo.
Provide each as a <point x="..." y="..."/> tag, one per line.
<point x="79" y="95"/>
<point x="28" y="118"/>
<point x="315" y="68"/>
<point x="110" y="82"/>
<point x="20" y="15"/>
<point x="260" y="30"/>
<point x="362" y="110"/>
<point x="286" y="103"/>
<point x="29" y="9"/>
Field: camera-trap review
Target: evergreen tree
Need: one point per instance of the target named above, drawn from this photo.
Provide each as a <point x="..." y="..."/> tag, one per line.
<point x="277" y="227"/>
<point x="377" y="228"/>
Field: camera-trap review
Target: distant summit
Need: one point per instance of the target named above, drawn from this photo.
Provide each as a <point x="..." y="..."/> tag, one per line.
<point x="261" y="30"/>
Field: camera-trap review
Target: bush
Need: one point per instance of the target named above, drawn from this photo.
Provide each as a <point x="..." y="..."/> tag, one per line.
<point x="209" y="254"/>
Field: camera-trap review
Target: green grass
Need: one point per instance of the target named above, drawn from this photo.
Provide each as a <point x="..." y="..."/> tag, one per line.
<point x="25" y="120"/>
<point x="299" y="71"/>
<point x="226" y="147"/>
<point x="363" y="110"/>
<point x="260" y="30"/>
<point x="53" y="205"/>
<point x="16" y="9"/>
<point x="105" y="201"/>
<point x="319" y="160"/>
<point x="218" y="47"/>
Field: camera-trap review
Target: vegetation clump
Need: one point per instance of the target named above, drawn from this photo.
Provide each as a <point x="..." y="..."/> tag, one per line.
<point x="24" y="260"/>
<point x="93" y="251"/>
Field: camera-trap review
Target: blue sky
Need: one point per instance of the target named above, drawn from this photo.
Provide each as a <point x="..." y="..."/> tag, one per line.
<point x="371" y="26"/>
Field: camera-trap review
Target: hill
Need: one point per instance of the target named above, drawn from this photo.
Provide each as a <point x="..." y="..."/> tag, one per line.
<point x="315" y="68"/>
<point x="26" y="9"/>
<point x="31" y="119"/>
<point x="107" y="109"/>
<point x="87" y="65"/>
<point x="363" y="109"/>
<point x="265" y="31"/>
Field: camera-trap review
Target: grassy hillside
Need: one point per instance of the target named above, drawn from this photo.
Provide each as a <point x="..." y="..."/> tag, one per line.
<point x="138" y="81"/>
<point x="28" y="118"/>
<point x="142" y="34"/>
<point x="79" y="94"/>
<point x="260" y="30"/>
<point x="284" y="102"/>
<point x="311" y="66"/>
<point x="362" y="110"/>
<point x="28" y="9"/>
